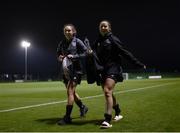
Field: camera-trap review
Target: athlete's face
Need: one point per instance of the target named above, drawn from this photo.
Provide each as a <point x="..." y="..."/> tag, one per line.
<point x="68" y="32"/>
<point x="104" y="28"/>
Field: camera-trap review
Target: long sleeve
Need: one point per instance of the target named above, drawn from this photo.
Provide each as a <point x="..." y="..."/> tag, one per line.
<point x="81" y="48"/>
<point x="126" y="54"/>
<point x="59" y="49"/>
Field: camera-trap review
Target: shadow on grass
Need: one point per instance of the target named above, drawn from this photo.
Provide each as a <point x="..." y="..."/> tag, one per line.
<point x="75" y="121"/>
<point x="50" y="121"/>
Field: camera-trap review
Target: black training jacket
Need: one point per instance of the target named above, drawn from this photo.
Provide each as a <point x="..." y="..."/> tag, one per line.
<point x="75" y="47"/>
<point x="109" y="50"/>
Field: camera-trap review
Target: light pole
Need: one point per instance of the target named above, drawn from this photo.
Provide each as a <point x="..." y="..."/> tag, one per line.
<point x="25" y="45"/>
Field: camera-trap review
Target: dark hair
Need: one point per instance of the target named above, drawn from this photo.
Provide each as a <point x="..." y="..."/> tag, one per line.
<point x="73" y="28"/>
<point x="109" y="23"/>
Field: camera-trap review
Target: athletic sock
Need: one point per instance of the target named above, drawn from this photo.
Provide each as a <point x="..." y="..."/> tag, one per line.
<point x="117" y="109"/>
<point x="68" y="110"/>
<point x="79" y="104"/>
<point x="108" y="117"/>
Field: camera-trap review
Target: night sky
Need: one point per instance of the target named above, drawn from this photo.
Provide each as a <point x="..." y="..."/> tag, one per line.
<point x="150" y="30"/>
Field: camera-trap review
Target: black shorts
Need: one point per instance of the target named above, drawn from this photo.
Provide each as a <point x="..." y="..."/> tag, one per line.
<point x="114" y="72"/>
<point x="75" y="78"/>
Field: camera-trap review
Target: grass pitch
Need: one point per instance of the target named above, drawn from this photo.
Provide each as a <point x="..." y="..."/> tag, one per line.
<point x="147" y="105"/>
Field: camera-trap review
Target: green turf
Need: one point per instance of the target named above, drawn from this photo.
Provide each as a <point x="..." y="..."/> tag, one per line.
<point x="153" y="109"/>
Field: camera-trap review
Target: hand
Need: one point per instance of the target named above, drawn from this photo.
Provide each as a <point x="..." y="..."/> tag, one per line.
<point x="90" y="51"/>
<point x="60" y="58"/>
<point x="70" y="56"/>
<point x="144" y="67"/>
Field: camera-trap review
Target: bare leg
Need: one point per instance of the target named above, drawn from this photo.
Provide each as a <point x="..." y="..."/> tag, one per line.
<point x="83" y="109"/>
<point x="76" y="97"/>
<point x="114" y="100"/>
<point x="108" y="91"/>
<point x="116" y="106"/>
<point x="70" y="92"/>
<point x="70" y="100"/>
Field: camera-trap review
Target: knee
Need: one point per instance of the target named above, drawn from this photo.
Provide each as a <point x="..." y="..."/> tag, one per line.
<point x="109" y="83"/>
<point x="107" y="93"/>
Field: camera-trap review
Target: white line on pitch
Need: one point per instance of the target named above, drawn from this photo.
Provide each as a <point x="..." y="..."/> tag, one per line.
<point x="89" y="97"/>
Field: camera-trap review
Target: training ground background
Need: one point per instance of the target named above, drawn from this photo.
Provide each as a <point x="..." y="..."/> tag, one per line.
<point x="151" y="105"/>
